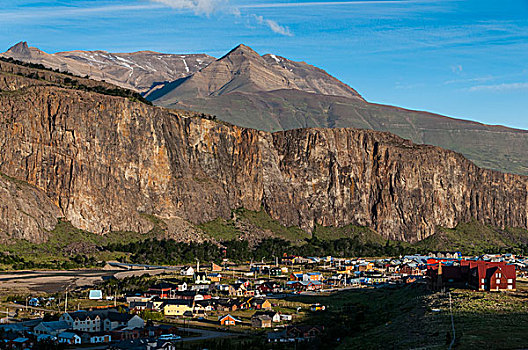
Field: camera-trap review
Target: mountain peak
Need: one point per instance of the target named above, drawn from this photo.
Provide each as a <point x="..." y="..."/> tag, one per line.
<point x="241" y="50"/>
<point x="20" y="49"/>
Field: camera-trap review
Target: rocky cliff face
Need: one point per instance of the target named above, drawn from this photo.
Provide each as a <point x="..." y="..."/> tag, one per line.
<point x="25" y="211"/>
<point x="104" y="162"/>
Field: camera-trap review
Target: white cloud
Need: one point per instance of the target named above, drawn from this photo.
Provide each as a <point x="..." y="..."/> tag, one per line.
<point x="274" y="26"/>
<point x="332" y="3"/>
<point x="457" y="68"/>
<point x="199" y="7"/>
<point x="500" y="87"/>
<point x="208" y="7"/>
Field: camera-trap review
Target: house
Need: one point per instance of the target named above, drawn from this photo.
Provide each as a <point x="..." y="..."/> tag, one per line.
<point x="295" y="334"/>
<point x="155" y="304"/>
<point x="215" y="267"/>
<point x="284" y="317"/>
<point x="96" y="338"/>
<point x="46" y="338"/>
<point x="156" y="331"/>
<point x="182" y="287"/>
<point x="20" y="343"/>
<point x="269" y="287"/>
<point x="69" y="338"/>
<point x="227" y="305"/>
<point x="226" y="289"/>
<point x="305" y="285"/>
<point x="261" y="304"/>
<point x="261" y="321"/>
<point x="162" y="290"/>
<point x="138" y="306"/>
<point x="492" y="276"/>
<point x="125" y="333"/>
<point x="315" y="276"/>
<point x="275" y="316"/>
<point x="275" y="271"/>
<point x="187" y="271"/>
<point x="214" y="277"/>
<point x="201" y="308"/>
<point x="296" y="276"/>
<point x="303" y="332"/>
<point x="448" y="255"/>
<point x="34" y="302"/>
<point x="201" y="278"/>
<point x="228" y="320"/>
<point x="95" y="294"/>
<point x="310" y="276"/>
<point x="177" y="307"/>
<point x="238" y="289"/>
<point x="100" y="320"/>
<point x="366" y="266"/>
<point x="289" y="260"/>
<point x="52" y="328"/>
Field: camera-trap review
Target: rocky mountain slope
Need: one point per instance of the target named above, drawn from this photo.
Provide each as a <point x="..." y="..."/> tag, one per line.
<point x="272" y="93"/>
<point x="111" y="163"/>
<point x="244" y="70"/>
<point x="141" y="71"/>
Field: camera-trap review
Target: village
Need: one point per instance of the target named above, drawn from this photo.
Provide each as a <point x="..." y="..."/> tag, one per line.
<point x="225" y="299"/>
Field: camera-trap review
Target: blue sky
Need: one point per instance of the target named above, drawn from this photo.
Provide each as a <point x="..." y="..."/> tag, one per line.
<point x="466" y="59"/>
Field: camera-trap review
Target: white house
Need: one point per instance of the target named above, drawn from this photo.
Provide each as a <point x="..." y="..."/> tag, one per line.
<point x="69" y="338"/>
<point x="187" y="271"/>
<point x="101" y="320"/>
<point x="182" y="287"/>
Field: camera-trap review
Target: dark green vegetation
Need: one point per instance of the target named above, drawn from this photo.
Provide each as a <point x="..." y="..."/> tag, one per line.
<point x="246" y="220"/>
<point x="412" y="317"/>
<point x="77" y="84"/>
<point x="352" y="314"/>
<point x="69" y="247"/>
<point x="491" y="147"/>
<point x="475" y="238"/>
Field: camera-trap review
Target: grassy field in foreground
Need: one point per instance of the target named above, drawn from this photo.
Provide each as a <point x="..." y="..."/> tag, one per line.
<point x="482" y="321"/>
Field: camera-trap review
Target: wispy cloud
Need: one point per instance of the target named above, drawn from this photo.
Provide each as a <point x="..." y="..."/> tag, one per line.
<point x="470" y="80"/>
<point x="331" y="3"/>
<point x="208" y="7"/>
<point x="66" y="11"/>
<point x="274" y="26"/>
<point x="500" y="87"/>
<point x="199" y="7"/>
<point x="457" y="68"/>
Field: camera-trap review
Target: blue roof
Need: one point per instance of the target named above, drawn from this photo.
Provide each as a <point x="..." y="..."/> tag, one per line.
<point x="67" y="335"/>
<point x="20" y="340"/>
<point x="95" y="294"/>
<point x="56" y="325"/>
<point x="304" y="283"/>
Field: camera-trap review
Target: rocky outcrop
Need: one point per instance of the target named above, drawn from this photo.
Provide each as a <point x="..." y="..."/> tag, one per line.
<point x="108" y="163"/>
<point x="25" y="212"/>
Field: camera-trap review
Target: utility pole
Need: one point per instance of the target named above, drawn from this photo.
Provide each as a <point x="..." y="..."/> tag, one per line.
<point x="66" y="302"/>
<point x="115" y="298"/>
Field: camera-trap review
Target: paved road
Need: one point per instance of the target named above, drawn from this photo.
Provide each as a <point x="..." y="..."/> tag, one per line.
<point x="205" y="334"/>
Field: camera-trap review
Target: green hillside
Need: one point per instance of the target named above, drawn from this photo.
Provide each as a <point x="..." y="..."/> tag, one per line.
<point x="491" y="147"/>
